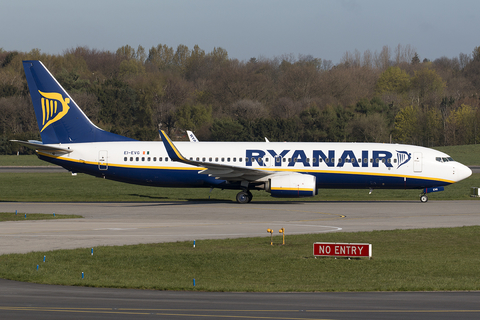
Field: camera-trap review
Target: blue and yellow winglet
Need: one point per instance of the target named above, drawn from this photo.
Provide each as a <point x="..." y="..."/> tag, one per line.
<point x="172" y="151"/>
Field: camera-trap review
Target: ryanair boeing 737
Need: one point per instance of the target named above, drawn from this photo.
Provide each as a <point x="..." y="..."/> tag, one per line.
<point x="284" y="169"/>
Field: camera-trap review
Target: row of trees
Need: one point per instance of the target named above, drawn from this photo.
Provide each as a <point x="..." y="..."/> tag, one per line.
<point x="386" y="96"/>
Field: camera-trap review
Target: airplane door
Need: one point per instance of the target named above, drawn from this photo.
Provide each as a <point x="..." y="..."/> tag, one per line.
<point x="417" y="162"/>
<point x="103" y="160"/>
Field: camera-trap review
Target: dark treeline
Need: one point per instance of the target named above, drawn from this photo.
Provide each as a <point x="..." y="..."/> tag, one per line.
<point x="386" y="96"/>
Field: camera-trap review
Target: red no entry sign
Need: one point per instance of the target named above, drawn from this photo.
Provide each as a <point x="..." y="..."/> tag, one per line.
<point x="333" y="249"/>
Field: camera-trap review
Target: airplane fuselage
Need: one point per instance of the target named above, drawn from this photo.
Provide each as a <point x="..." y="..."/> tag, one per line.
<point x="335" y="165"/>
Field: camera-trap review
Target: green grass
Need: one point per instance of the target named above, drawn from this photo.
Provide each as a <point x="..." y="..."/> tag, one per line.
<point x="65" y="187"/>
<point x="403" y="260"/>
<point x="22" y="161"/>
<point x="469" y="155"/>
<point x="12" y="216"/>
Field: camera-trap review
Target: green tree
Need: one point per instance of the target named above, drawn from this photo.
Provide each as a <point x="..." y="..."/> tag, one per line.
<point x="192" y="117"/>
<point x="161" y="56"/>
<point x="393" y="79"/>
<point x="427" y="82"/>
<point x="406" y="125"/>
<point x="126" y="52"/>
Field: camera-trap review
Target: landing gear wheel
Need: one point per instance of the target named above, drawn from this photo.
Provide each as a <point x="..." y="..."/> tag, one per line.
<point x="242" y="197"/>
<point x="423" y="198"/>
<point x="250" y="196"/>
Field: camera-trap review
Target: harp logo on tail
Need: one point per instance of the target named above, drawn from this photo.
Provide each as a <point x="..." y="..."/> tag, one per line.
<point x="54" y="107"/>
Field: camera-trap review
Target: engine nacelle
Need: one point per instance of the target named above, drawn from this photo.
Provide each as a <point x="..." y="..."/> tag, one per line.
<point x="291" y="185"/>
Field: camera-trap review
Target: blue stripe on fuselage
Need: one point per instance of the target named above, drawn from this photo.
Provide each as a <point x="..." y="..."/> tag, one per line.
<point x="182" y="177"/>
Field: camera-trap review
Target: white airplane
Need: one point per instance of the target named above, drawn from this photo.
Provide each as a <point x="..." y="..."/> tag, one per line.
<point x="284" y="169"/>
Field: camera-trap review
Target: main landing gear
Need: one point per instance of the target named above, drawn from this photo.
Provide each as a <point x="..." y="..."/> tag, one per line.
<point x="244" y="196"/>
<point x="423" y="198"/>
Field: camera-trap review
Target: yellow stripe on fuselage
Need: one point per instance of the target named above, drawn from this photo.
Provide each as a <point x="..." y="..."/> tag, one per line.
<point x="273" y="170"/>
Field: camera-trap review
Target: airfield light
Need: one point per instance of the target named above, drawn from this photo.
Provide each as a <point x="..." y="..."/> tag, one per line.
<point x="271" y="236"/>
<point x="282" y="231"/>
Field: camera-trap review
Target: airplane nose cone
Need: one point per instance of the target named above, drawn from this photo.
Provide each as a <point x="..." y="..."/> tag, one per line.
<point x="462" y="172"/>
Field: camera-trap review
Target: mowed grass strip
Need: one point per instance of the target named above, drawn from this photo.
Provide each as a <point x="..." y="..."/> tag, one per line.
<point x="30" y="160"/>
<point x="403" y="260"/>
<point x="63" y="187"/>
<point x="11" y="216"/>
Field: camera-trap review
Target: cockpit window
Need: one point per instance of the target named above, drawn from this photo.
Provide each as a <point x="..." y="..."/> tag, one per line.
<point x="444" y="159"/>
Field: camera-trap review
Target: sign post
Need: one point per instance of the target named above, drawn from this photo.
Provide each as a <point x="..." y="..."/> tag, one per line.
<point x="350" y="250"/>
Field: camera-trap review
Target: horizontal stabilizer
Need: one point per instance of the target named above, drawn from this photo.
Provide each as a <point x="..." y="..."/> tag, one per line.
<point x="43" y="147"/>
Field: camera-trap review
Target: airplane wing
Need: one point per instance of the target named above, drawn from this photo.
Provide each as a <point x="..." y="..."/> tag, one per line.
<point x="219" y="171"/>
<point x="39" y="146"/>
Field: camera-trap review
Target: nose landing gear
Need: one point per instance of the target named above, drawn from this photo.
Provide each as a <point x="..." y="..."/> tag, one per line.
<point x="423" y="198"/>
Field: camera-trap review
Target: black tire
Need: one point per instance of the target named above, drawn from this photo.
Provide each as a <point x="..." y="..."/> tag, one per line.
<point x="242" y="197"/>
<point x="423" y="198"/>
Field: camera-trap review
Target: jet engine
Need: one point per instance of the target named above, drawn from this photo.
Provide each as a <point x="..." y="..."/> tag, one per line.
<point x="291" y="185"/>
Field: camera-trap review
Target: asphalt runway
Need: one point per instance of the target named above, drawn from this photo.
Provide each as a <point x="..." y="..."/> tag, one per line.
<point x="131" y="223"/>
<point x="34" y="301"/>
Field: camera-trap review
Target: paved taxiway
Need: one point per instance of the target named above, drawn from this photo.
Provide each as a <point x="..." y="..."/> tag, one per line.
<point x="34" y="301"/>
<point x="132" y="223"/>
<point x="129" y="223"/>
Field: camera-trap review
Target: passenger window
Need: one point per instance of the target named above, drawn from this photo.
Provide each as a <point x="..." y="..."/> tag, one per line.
<point x="308" y="160"/>
<point x="240" y="159"/>
<point x="159" y="158"/>
<point x="223" y="159"/>
<point x="125" y="159"/>
<point x="365" y="160"/>
<point x="339" y="160"/>
<point x="143" y="158"/>
<point x="131" y="158"/>
<point x="166" y="159"/>
<point x="136" y="159"/>
<point x="314" y="160"/>
<point x="203" y="159"/>
<point x="376" y="160"/>
<point x="284" y="159"/>
<point x="198" y="159"/>
<point x="148" y="159"/>
<point x="191" y="158"/>
<point x="210" y="159"/>
<point x="154" y="159"/>
<point x="228" y="159"/>
<point x="216" y="159"/>
<point x="234" y="159"/>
